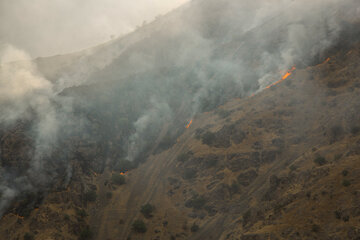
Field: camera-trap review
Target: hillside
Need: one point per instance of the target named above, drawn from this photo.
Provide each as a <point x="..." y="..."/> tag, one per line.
<point x="260" y="159"/>
<point x="279" y="165"/>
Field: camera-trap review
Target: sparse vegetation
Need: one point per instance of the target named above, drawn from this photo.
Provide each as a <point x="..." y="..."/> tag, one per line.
<point x="189" y="173"/>
<point x="194" y="227"/>
<point x="109" y="195"/>
<point x="118" y="179"/>
<point x="346" y="183"/>
<point x="320" y="161"/>
<point x="234" y="188"/>
<point x="345" y="172"/>
<point x="208" y="138"/>
<point x="147" y="210"/>
<point x="197" y="202"/>
<point x="81" y="212"/>
<point x="315" y="228"/>
<point x="212" y="162"/>
<point x="29" y="236"/>
<point x="293" y="168"/>
<point x="86" y="234"/>
<point x="183" y="157"/>
<point x="355" y="130"/>
<point x="139" y="226"/>
<point x="337" y="214"/>
<point x="90" y="196"/>
<point x="66" y="217"/>
<point x="336" y="133"/>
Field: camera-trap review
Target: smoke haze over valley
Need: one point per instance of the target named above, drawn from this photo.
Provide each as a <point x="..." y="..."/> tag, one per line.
<point x="123" y="104"/>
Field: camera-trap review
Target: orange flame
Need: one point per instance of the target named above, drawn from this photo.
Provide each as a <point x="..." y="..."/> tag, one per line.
<point x="187" y="126"/>
<point x="286" y="75"/>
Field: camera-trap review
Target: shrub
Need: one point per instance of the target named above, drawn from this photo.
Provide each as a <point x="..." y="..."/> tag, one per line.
<point x="183" y="157"/>
<point x="109" y="195"/>
<point x="336" y="132"/>
<point x="338" y="214"/>
<point x="139" y="226"/>
<point x="28" y="236"/>
<point x="66" y="217"/>
<point x="345" y="172"/>
<point x="196" y="202"/>
<point x="355" y="130"/>
<point x="208" y="138"/>
<point x="194" y="227"/>
<point x="86" y="234"/>
<point x="90" y="196"/>
<point x="147" y="210"/>
<point x="346" y="183"/>
<point x="189" y="173"/>
<point x="81" y="213"/>
<point x="234" y="188"/>
<point x="293" y="167"/>
<point x="320" y="161"/>
<point x="212" y="162"/>
<point x="118" y="179"/>
<point x="315" y="228"/>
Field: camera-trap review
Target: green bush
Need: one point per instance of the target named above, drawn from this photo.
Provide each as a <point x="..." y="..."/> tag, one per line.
<point x="346" y="183"/>
<point x="139" y="226"/>
<point x="194" y="227"/>
<point x="147" y="210"/>
<point x="90" y="196"/>
<point x="118" y="179"/>
<point x="320" y="161"/>
<point x="28" y="236"/>
<point x="86" y="234"/>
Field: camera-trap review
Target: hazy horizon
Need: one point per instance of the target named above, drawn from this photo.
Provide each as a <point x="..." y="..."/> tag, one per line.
<point x="43" y="28"/>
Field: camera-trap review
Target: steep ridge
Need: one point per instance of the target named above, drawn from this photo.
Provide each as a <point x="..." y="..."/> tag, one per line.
<point x="281" y="165"/>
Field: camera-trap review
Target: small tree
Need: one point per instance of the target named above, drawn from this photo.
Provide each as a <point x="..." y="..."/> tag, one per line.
<point x="139" y="226"/>
<point x="147" y="210"/>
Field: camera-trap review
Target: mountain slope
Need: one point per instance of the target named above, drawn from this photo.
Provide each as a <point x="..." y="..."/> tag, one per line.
<point x="256" y="162"/>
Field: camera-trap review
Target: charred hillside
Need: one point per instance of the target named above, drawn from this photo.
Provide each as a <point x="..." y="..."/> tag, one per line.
<point x="184" y="130"/>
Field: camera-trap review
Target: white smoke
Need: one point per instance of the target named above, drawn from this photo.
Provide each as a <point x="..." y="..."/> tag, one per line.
<point x="26" y="95"/>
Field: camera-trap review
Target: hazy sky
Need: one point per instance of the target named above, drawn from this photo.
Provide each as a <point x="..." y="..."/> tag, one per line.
<point x="49" y="27"/>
